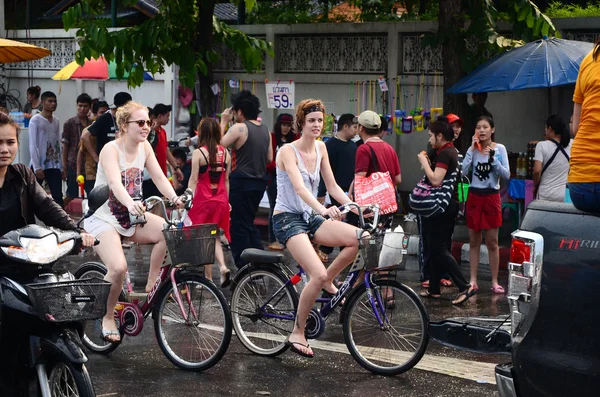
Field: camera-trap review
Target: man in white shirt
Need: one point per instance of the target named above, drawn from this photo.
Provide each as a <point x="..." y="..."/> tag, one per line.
<point x="45" y="147"/>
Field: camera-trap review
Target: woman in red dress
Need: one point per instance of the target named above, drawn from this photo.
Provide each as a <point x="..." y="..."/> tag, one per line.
<point x="211" y="165"/>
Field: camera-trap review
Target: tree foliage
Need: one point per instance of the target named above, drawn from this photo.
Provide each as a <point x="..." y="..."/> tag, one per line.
<point x="468" y="33"/>
<point x="184" y="33"/>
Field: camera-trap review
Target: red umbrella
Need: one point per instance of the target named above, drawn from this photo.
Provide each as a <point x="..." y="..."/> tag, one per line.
<point x="94" y="69"/>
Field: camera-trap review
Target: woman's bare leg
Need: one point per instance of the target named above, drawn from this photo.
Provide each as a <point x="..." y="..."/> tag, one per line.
<point x="474" y="255"/>
<point x="111" y="254"/>
<point x="151" y="233"/>
<point x="491" y="242"/>
<point x="337" y="234"/>
<point x="301" y="249"/>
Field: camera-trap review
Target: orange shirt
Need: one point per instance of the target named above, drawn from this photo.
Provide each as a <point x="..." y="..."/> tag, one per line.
<point x="585" y="153"/>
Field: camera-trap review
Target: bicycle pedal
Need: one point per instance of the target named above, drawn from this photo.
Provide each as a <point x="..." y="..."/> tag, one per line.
<point x="137" y="295"/>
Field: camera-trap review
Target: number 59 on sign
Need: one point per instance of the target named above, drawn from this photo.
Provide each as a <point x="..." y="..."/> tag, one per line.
<point x="280" y="95"/>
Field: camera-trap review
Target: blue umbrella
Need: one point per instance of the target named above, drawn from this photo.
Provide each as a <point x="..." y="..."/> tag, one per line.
<point x="540" y="64"/>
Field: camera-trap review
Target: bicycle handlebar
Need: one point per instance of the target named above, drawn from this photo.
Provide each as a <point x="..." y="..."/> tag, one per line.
<point x="152" y="201"/>
<point x="360" y="209"/>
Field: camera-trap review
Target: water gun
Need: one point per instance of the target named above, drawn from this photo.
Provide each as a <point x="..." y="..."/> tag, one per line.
<point x="80" y="181"/>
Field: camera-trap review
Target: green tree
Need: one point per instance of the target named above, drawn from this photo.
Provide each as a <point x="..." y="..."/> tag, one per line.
<point x="184" y="33"/>
<point x="468" y="33"/>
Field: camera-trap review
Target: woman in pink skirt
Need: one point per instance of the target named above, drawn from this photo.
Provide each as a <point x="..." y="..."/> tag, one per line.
<point x="211" y="165"/>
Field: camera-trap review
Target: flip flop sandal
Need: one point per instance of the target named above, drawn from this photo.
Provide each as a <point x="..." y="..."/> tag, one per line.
<point x="323" y="256"/>
<point x="498" y="289"/>
<point x="390" y="303"/>
<point x="425" y="284"/>
<point x="111" y="332"/>
<point x="226" y="279"/>
<point x="293" y="348"/>
<point x="467" y="294"/>
<point x="446" y="282"/>
<point x="427" y="294"/>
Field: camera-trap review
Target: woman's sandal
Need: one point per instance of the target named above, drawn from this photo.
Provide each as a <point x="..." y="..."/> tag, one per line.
<point x="225" y="278"/>
<point x="292" y="346"/>
<point x="464" y="296"/>
<point x="106" y="333"/>
<point x="427" y="294"/>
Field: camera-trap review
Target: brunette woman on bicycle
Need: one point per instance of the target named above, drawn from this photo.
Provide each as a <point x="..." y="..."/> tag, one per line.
<point x="298" y="216"/>
<point x="121" y="165"/>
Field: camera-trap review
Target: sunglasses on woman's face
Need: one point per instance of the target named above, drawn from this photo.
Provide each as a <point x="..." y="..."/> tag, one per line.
<point x="141" y="123"/>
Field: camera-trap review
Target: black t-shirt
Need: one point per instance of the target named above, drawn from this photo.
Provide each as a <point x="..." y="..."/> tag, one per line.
<point x="342" y="155"/>
<point x="447" y="157"/>
<point x="104" y="129"/>
<point x="10" y="209"/>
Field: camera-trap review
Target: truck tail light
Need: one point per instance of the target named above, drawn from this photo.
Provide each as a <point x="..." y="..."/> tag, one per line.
<point x="524" y="275"/>
<point x="520" y="251"/>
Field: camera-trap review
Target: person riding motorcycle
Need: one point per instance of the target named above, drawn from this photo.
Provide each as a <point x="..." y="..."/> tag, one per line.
<point x="22" y="199"/>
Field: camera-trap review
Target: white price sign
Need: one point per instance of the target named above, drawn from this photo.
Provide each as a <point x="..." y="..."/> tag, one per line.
<point x="280" y="95"/>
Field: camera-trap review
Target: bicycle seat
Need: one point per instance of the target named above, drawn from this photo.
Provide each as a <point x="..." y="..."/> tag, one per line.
<point x="253" y="255"/>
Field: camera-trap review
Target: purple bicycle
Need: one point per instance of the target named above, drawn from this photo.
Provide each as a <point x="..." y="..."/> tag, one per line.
<point x="384" y="321"/>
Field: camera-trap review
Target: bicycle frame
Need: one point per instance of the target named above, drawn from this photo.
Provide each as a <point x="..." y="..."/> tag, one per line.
<point x="334" y="301"/>
<point x="167" y="270"/>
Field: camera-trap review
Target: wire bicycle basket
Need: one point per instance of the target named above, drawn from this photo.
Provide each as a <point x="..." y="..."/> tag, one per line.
<point x="385" y="250"/>
<point x="192" y="245"/>
<point x="67" y="301"/>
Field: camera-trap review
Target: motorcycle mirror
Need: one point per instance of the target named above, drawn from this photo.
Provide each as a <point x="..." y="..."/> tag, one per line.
<point x="97" y="197"/>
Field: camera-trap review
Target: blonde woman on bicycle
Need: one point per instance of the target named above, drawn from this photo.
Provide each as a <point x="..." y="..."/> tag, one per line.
<point x="121" y="166"/>
<point x="298" y="217"/>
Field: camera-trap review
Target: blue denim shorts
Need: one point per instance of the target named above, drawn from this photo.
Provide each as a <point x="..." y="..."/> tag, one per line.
<point x="287" y="224"/>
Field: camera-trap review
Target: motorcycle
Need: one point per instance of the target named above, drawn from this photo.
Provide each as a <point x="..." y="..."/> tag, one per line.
<point x="41" y="312"/>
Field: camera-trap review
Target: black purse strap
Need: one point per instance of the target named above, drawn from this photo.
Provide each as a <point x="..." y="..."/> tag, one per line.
<point x="559" y="148"/>
<point x="373" y="159"/>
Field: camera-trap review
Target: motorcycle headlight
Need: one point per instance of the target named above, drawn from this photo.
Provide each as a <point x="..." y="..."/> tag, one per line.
<point x="42" y="251"/>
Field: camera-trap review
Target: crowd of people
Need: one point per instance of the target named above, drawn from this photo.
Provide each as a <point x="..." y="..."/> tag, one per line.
<point x="238" y="159"/>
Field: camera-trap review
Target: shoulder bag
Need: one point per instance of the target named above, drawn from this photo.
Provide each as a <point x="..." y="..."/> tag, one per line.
<point x="377" y="188"/>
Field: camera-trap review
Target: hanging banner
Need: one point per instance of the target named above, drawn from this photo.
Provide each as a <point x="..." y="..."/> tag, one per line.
<point x="280" y="95"/>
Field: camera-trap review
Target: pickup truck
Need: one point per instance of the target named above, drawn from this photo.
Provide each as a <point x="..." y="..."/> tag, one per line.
<point x="554" y="300"/>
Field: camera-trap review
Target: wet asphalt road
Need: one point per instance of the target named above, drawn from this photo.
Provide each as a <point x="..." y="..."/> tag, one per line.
<point x="138" y="368"/>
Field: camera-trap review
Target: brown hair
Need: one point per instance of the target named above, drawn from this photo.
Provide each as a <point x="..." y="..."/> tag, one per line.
<point x="6" y="120"/>
<point x="125" y="112"/>
<point x="35" y="91"/>
<point x="209" y="135"/>
<point x="304" y="108"/>
<point x="596" y="49"/>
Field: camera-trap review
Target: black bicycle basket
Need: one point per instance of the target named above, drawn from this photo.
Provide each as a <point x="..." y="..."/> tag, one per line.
<point x="67" y="301"/>
<point x="192" y="245"/>
<point x="384" y="250"/>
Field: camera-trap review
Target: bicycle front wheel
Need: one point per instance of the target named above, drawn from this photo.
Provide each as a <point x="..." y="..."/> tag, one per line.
<point x="399" y="343"/>
<point x="198" y="336"/>
<point x="263" y="309"/>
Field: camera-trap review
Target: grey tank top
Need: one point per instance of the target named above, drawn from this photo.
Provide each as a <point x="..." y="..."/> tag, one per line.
<point x="250" y="160"/>
<point x="287" y="198"/>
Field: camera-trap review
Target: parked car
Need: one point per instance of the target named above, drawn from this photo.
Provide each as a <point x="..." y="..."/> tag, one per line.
<point x="554" y="298"/>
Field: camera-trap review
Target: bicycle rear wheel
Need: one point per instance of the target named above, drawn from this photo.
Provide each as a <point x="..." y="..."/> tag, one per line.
<point x="201" y="341"/>
<point x="258" y="325"/>
<point x="400" y="343"/>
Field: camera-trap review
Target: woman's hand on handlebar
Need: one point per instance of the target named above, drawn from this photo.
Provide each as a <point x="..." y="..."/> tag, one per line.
<point x="136" y="208"/>
<point x="87" y="240"/>
<point x="179" y="202"/>
<point x="332" y="212"/>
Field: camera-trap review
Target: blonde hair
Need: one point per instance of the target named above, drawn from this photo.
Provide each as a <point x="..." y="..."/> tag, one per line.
<point x="304" y="107"/>
<point x="125" y="112"/>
